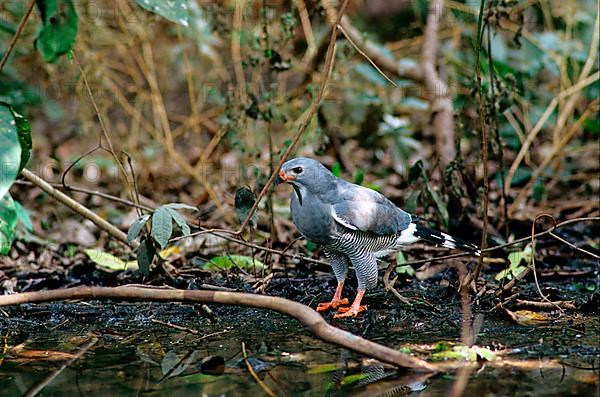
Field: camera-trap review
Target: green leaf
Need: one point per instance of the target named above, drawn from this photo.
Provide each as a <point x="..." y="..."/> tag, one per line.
<point x="8" y="223"/>
<point x="323" y="368"/>
<point x="162" y="226"/>
<point x="460" y="352"/>
<point x="348" y="380"/>
<point x="180" y="221"/>
<point x="180" y="206"/>
<point x="509" y="273"/>
<point x="443" y="346"/>
<point x="10" y="149"/>
<point x="145" y="254"/>
<point x="229" y="261"/>
<point x="71" y="250"/>
<point x="439" y="203"/>
<point x="410" y="204"/>
<point x="359" y="176"/>
<point x="539" y="188"/>
<point x="373" y="186"/>
<point x="592" y="125"/>
<point x="24" y="132"/>
<point x="136" y="227"/>
<point x="310" y="246"/>
<point x="515" y="268"/>
<point x="174" y="10"/>
<point x="59" y="28"/>
<point x="23" y="216"/>
<point x="485" y="353"/>
<point x="105" y="260"/>
<point x="515" y="258"/>
<point x="336" y="169"/>
<point x="405" y="269"/>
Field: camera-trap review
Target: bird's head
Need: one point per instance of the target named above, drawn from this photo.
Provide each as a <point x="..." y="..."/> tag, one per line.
<point x="305" y="174"/>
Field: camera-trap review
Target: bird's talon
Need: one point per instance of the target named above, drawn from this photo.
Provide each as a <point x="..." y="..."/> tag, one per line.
<point x="349" y="311"/>
<point x="334" y="304"/>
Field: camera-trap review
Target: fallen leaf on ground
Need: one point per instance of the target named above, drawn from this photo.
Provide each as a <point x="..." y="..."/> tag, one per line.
<point x="527" y="317"/>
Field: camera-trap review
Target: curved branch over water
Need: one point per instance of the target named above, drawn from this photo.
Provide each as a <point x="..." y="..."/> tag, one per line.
<point x="305" y="315"/>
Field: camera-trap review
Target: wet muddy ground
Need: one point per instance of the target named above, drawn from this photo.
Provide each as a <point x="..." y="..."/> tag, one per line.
<point x="177" y="349"/>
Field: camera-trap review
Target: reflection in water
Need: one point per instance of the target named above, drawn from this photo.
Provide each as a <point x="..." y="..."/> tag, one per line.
<point x="137" y="358"/>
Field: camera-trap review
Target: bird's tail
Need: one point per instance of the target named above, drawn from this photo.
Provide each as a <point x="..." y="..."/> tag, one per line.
<point x="443" y="239"/>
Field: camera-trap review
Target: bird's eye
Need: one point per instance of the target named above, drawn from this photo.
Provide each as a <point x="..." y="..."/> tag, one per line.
<point x="297" y="170"/>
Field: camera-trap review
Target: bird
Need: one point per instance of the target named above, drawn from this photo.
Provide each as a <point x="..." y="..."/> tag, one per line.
<point x="354" y="225"/>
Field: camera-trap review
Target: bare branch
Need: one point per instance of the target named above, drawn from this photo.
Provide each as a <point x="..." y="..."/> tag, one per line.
<point x="304" y="314"/>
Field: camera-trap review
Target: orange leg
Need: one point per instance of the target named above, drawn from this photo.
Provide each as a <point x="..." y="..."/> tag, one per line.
<point x="353" y="310"/>
<point x="335" y="301"/>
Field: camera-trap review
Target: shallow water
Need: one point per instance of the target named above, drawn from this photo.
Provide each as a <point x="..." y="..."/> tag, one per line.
<point x="135" y="355"/>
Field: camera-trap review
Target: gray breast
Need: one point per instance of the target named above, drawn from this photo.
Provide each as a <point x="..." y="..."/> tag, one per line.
<point x="312" y="218"/>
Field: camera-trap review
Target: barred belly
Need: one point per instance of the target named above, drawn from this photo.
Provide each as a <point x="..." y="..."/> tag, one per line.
<point x="356" y="242"/>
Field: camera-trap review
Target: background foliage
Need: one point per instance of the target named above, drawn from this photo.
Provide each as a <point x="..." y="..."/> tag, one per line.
<point x="202" y="99"/>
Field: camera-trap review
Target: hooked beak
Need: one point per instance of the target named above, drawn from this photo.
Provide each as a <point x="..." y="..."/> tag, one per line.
<point x="282" y="177"/>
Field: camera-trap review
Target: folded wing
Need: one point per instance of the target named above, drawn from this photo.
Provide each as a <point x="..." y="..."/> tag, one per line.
<point x="359" y="208"/>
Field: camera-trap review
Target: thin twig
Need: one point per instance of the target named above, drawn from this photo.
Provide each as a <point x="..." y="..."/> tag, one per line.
<point x="567" y="305"/>
<point x="510" y="117"/>
<point x="146" y="63"/>
<point x="63" y="177"/>
<point x="103" y="128"/>
<point x="236" y="50"/>
<point x="467" y="336"/>
<point x="389" y="285"/>
<point x="91" y="192"/>
<point x="361" y="52"/>
<point x="484" y="145"/>
<point x="13" y="41"/>
<point x="374" y="51"/>
<point x="541" y="122"/>
<point x="570" y="244"/>
<point x="537" y="284"/>
<point x="496" y="137"/>
<point x="311" y="47"/>
<point x="437" y="89"/>
<point x="227" y="235"/>
<point x="190" y="82"/>
<point x="75" y="206"/>
<point x="304" y="119"/>
<point x="177" y="327"/>
<point x="556" y="149"/>
<point x="266" y="249"/>
<point x="569" y="106"/>
<point x="256" y="378"/>
<point x="207" y="151"/>
<point x="37" y="388"/>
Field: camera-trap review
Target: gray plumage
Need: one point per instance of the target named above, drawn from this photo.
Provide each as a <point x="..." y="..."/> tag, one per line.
<point x="353" y="223"/>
